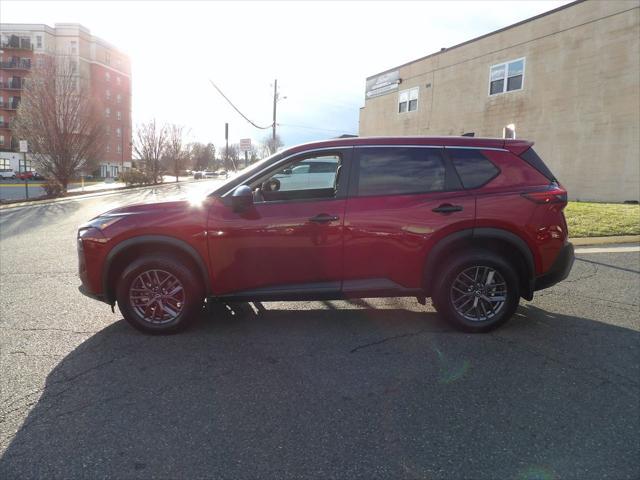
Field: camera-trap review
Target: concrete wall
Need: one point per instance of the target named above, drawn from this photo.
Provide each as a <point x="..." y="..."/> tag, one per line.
<point x="580" y="101"/>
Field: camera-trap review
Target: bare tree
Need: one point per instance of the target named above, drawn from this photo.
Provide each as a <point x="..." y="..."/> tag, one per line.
<point x="270" y="145"/>
<point x="231" y="157"/>
<point x="150" y="144"/>
<point x="203" y="156"/>
<point x="62" y="124"/>
<point x="176" y="155"/>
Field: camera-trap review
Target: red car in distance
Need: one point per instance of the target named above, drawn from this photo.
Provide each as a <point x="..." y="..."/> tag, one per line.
<point x="475" y="224"/>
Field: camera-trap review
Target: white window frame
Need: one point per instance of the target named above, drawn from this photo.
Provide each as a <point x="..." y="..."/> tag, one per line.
<point x="119" y="115"/>
<point x="505" y="78"/>
<point x="118" y="132"/>
<point x="107" y="76"/>
<point x="107" y="112"/>
<point x="39" y="41"/>
<point x="118" y="98"/>
<point x="408" y="91"/>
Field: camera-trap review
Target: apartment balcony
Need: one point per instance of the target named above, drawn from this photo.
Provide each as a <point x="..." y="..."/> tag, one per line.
<point x="12" y="85"/>
<point x="16" y="65"/>
<point x="9" y="106"/>
<point x="13" y="44"/>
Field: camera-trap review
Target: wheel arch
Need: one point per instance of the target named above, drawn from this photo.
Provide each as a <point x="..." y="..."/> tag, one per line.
<point x="122" y="254"/>
<point x="497" y="240"/>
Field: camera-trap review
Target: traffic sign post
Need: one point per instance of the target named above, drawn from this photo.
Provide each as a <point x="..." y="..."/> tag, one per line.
<point x="245" y="146"/>
<point x="24" y="148"/>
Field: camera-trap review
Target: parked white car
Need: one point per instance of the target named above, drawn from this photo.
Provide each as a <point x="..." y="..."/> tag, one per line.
<point x="315" y="173"/>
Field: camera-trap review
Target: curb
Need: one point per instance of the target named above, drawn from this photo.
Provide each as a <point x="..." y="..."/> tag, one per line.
<point x="99" y="193"/>
<point x="583" y="241"/>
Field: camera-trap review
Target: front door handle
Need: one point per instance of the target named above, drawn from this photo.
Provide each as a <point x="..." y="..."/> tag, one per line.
<point x="447" y="208"/>
<point x="324" y="218"/>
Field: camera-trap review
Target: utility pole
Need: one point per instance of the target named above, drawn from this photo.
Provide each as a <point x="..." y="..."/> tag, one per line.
<point x="275" y="102"/>
<point x="226" y="150"/>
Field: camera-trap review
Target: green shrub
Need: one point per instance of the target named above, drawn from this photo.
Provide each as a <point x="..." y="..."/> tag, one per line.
<point x="134" y="177"/>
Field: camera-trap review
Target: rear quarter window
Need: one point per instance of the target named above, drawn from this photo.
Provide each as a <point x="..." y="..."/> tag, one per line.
<point x="474" y="169"/>
<point x="397" y="171"/>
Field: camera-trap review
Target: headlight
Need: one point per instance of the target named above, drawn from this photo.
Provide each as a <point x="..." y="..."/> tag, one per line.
<point x="102" y="222"/>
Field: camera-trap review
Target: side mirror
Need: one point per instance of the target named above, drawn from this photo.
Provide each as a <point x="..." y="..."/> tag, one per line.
<point x="287" y="171"/>
<point x="241" y="198"/>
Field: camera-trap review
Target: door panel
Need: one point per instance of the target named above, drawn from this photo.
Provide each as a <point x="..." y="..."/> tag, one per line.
<point x="389" y="225"/>
<point x="288" y="242"/>
<point x="389" y="237"/>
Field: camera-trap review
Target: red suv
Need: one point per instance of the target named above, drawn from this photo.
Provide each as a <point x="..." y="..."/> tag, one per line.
<point x="473" y="223"/>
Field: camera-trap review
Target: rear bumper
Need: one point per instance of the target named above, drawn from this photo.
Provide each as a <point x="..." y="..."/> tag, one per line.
<point x="559" y="270"/>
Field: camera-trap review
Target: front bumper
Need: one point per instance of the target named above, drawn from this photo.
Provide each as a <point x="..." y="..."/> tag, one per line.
<point x="559" y="270"/>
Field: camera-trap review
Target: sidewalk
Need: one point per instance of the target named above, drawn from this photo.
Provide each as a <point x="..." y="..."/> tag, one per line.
<point x="78" y="195"/>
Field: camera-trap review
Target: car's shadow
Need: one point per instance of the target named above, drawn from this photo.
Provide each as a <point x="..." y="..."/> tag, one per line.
<point x="338" y="393"/>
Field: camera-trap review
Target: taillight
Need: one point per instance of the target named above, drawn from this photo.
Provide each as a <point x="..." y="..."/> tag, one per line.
<point x="553" y="194"/>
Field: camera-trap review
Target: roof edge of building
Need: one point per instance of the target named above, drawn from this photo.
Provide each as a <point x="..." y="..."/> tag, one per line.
<point x="494" y="32"/>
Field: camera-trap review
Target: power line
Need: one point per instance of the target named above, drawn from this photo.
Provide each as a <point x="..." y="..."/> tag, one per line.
<point x="237" y="110"/>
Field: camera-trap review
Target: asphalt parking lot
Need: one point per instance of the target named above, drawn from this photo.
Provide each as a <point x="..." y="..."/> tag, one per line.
<point x="364" y="389"/>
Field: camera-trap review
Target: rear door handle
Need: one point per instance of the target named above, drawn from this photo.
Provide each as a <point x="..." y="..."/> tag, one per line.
<point x="447" y="208"/>
<point x="324" y="218"/>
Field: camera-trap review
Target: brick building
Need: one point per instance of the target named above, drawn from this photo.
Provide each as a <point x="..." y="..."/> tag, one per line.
<point x="106" y="69"/>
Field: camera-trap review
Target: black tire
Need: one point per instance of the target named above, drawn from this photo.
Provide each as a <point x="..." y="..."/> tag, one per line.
<point x="486" y="261"/>
<point x="191" y="299"/>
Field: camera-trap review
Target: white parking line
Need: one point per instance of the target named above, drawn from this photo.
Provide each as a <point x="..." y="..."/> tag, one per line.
<point x="608" y="250"/>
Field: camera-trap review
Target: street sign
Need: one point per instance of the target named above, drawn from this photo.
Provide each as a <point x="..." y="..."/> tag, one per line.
<point x="245" y="144"/>
<point x="24" y="148"/>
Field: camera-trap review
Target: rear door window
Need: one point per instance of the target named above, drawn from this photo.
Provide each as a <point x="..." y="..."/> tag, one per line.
<point x="399" y="170"/>
<point x="474" y="169"/>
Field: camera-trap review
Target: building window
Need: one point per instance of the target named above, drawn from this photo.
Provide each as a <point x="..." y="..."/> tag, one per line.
<point x="118" y="98"/>
<point x="5" y="163"/>
<point x="107" y="76"/>
<point x="1" y="139"/>
<point x="118" y="80"/>
<point x="108" y="94"/>
<point x="506" y="77"/>
<point x="408" y="100"/>
<point x="119" y="148"/>
<point x="74" y="47"/>
<point x="108" y="130"/>
<point x="118" y="132"/>
<point x="108" y="148"/>
<point x="38" y="41"/>
<point x="119" y="115"/>
<point x="107" y="58"/>
<point x="107" y="112"/>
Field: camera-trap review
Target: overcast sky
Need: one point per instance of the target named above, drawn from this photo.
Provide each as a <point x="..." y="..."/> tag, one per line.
<point x="320" y="52"/>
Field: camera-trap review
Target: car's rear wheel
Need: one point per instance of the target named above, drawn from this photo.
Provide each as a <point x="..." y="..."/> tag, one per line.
<point x="159" y="295"/>
<point x="477" y="292"/>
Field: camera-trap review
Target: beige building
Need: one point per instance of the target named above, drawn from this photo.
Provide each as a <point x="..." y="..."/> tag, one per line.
<point x="569" y="80"/>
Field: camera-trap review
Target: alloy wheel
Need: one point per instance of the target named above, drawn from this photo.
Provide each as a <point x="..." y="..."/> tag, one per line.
<point x="478" y="293"/>
<point x="157" y="296"/>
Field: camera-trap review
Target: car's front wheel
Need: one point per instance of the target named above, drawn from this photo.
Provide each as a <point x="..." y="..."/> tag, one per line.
<point x="478" y="291"/>
<point x="159" y="295"/>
